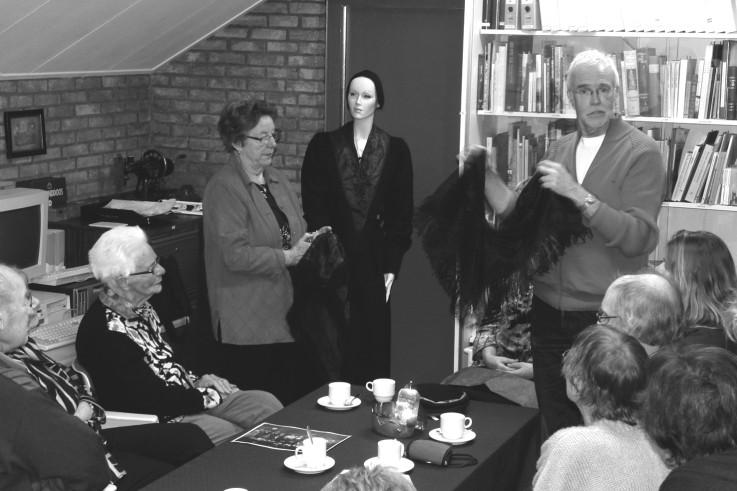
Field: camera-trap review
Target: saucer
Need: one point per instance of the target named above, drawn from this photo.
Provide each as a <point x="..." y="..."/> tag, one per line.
<point x="468" y="435"/>
<point x="405" y="465"/>
<point x="295" y="463"/>
<point x="324" y="401"/>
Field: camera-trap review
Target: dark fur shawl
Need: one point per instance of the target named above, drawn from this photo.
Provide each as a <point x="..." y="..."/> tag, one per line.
<point x="474" y="261"/>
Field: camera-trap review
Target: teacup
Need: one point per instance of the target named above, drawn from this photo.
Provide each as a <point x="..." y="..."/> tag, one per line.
<point x="339" y="393"/>
<point x="390" y="452"/>
<point x="453" y="425"/>
<point x="382" y="388"/>
<point x="312" y="452"/>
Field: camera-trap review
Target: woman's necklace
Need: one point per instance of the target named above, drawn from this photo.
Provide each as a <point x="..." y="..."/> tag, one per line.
<point x="360" y="144"/>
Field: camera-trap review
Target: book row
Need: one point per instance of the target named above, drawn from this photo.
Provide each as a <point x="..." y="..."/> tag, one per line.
<point x="700" y="165"/>
<point x="513" y="78"/>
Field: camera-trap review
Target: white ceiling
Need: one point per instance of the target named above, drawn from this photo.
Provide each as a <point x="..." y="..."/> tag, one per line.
<point x="45" y="38"/>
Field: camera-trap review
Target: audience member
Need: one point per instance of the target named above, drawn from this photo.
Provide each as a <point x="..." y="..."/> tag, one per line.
<point x="646" y="306"/>
<point x="134" y="455"/>
<point x="254" y="232"/>
<point x="689" y="410"/>
<point x="614" y="175"/>
<point x="701" y="265"/>
<point x="605" y="372"/>
<point x="132" y="367"/>
<point x="377" y="478"/>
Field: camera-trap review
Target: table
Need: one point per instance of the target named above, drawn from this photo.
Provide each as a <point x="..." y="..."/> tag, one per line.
<point x="506" y="447"/>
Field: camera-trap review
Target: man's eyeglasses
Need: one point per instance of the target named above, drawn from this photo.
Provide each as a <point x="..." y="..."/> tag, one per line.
<point x="276" y="136"/>
<point x="151" y="269"/>
<point x="602" y="317"/>
<point x="601" y="92"/>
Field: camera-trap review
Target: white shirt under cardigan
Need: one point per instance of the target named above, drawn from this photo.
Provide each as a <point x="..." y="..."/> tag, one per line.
<point x="606" y="455"/>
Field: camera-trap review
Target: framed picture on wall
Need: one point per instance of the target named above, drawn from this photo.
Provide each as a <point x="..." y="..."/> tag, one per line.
<point x="25" y="133"/>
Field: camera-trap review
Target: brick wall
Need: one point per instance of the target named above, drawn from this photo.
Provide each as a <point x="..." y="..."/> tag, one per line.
<point x="89" y="120"/>
<point x="276" y="51"/>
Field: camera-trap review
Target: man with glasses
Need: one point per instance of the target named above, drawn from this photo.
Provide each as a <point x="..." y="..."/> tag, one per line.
<point x="614" y="175"/>
<point x="646" y="306"/>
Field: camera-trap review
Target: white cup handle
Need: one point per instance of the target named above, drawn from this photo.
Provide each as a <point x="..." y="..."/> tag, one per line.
<point x="468" y="422"/>
<point x="370" y="386"/>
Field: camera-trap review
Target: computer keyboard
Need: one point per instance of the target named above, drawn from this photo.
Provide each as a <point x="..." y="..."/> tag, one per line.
<point x="68" y="275"/>
<point x="54" y="335"/>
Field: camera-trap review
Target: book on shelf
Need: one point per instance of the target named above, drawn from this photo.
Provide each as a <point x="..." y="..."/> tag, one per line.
<point x="630" y="82"/>
<point x="643" y="78"/>
<point x="511" y="14"/>
<point x="702" y="169"/>
<point x="714" y="179"/>
<point x="731" y="90"/>
<point x="687" y="167"/>
<point x="529" y="14"/>
<point x="675" y="151"/>
<point x="728" y="195"/>
<point x="516" y="45"/>
<point x="653" y="85"/>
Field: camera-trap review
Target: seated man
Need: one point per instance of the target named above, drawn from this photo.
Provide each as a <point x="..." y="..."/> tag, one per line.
<point x="605" y="372"/>
<point x="132" y="367"/>
<point x="689" y="410"/>
<point x="40" y="443"/>
<point x="647" y="306"/>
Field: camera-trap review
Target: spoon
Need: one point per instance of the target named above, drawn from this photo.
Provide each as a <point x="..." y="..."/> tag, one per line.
<point x="309" y="434"/>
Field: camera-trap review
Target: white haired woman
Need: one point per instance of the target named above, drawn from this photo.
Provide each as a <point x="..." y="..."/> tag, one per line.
<point x="132" y="367"/>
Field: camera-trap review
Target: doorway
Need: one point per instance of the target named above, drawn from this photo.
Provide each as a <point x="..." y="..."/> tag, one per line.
<point x="416" y="48"/>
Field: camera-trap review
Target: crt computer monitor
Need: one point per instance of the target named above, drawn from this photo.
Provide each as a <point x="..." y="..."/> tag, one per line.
<point x="24" y="220"/>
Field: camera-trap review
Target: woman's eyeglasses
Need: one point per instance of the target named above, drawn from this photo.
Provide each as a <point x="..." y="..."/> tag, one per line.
<point x="263" y="140"/>
<point x="602" y="317"/>
<point x="151" y="269"/>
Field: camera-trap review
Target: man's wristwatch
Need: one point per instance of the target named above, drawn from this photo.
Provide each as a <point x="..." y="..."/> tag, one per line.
<point x="588" y="200"/>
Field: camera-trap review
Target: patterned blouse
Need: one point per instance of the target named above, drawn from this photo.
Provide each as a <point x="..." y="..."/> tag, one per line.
<point x="281" y="217"/>
<point x="145" y="329"/>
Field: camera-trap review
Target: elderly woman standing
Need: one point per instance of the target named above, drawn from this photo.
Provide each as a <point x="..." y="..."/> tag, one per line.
<point x="358" y="180"/>
<point x="254" y="231"/>
<point x="133" y="368"/>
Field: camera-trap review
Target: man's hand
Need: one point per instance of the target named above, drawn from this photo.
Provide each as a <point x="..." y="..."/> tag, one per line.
<point x="521" y="369"/>
<point x="84" y="411"/>
<point x="560" y="181"/>
<point x="491" y="360"/>
<point x="218" y="383"/>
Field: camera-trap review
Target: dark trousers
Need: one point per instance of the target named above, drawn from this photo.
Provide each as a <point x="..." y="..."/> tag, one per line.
<point x="147" y="452"/>
<point x="553" y="332"/>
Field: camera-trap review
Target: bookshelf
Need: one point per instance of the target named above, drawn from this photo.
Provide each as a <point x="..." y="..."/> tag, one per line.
<point x="685" y="112"/>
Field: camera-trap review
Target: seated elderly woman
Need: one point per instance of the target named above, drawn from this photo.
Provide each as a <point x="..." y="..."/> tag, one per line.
<point x="132" y="367"/>
<point x="689" y="411"/>
<point x="605" y="372"/>
<point x="69" y="449"/>
<point x="647" y="306"/>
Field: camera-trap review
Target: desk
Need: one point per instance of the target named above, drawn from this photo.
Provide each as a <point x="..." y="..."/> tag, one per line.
<point x="506" y="448"/>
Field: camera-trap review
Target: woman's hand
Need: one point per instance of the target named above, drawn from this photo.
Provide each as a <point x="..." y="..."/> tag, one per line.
<point x="491" y="360"/>
<point x="521" y="369"/>
<point x="218" y="383"/>
<point x="84" y="411"/>
<point x="292" y="256"/>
